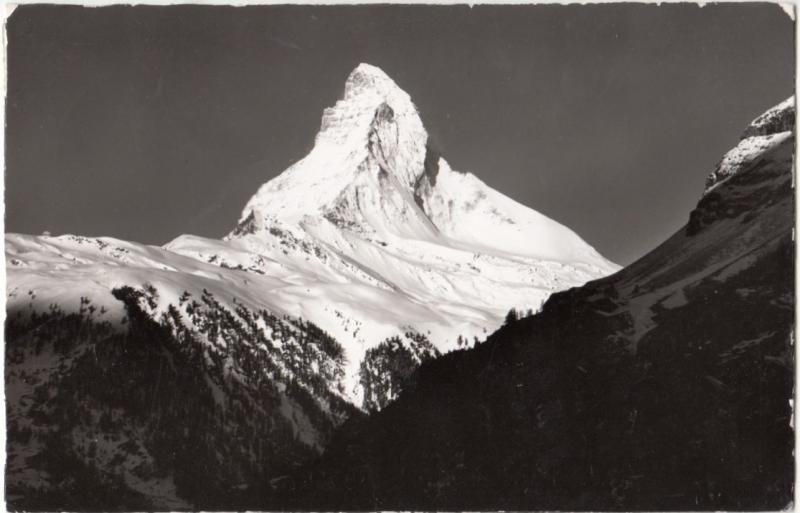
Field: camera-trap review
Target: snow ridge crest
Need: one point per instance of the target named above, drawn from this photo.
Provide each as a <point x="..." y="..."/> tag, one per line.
<point x="764" y="133"/>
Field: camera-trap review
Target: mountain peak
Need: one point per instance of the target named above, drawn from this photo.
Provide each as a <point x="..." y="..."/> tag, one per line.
<point x="779" y="118"/>
<point x="764" y="133"/>
<point x="368" y="93"/>
<point x="372" y="176"/>
<point x="366" y="77"/>
<point x="373" y="132"/>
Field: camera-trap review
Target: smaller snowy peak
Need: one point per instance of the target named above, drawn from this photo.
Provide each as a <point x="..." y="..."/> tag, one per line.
<point x="763" y="134"/>
<point x="779" y="118"/>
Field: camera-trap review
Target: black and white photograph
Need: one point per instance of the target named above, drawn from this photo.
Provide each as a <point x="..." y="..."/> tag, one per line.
<point x="392" y="257"/>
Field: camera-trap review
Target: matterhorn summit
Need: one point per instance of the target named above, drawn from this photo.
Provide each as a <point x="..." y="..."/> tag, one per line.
<point x="372" y="172"/>
<point x="371" y="238"/>
<point x="372" y="142"/>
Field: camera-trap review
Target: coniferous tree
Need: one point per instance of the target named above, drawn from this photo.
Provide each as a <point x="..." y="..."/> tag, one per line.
<point x="512" y="316"/>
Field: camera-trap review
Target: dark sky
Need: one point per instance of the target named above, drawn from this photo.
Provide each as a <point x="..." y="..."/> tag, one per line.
<point x="147" y="122"/>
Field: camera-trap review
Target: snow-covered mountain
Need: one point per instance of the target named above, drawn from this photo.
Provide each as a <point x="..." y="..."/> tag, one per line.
<point x="666" y="386"/>
<point x="387" y="238"/>
<point x="187" y="374"/>
<point x="370" y="236"/>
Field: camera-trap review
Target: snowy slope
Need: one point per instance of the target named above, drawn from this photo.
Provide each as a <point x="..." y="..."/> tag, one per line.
<point x="370" y="236"/>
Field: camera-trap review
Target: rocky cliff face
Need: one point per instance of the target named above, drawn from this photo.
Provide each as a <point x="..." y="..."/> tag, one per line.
<point x="665" y="386"/>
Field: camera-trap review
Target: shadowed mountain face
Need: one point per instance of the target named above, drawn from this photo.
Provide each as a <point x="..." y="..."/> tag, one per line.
<point x="664" y="386"/>
<point x="148" y="417"/>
